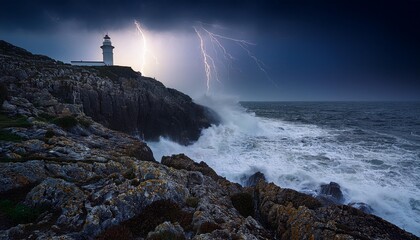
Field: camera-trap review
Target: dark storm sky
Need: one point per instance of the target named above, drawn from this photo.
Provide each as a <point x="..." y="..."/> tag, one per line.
<point x="313" y="50"/>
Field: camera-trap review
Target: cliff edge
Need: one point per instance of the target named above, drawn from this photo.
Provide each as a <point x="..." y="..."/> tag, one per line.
<point x="117" y="97"/>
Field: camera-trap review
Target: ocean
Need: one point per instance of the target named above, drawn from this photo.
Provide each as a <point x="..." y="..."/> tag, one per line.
<point x="371" y="149"/>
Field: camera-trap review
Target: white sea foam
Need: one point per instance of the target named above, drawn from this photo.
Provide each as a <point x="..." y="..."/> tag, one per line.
<point x="303" y="156"/>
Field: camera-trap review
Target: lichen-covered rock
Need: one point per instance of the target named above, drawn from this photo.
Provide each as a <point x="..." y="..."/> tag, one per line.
<point x="180" y="161"/>
<point x="250" y="181"/>
<point x="63" y="196"/>
<point x="167" y="230"/>
<point x="17" y="175"/>
<point x="293" y="215"/>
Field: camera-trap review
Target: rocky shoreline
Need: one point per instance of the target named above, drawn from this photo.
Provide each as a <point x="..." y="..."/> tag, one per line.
<point x="64" y="174"/>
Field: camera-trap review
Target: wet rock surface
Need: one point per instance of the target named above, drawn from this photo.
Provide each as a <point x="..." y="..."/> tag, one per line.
<point x="250" y="181"/>
<point x="65" y="176"/>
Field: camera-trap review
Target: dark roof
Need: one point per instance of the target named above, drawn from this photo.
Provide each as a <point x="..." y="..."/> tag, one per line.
<point x="107" y="37"/>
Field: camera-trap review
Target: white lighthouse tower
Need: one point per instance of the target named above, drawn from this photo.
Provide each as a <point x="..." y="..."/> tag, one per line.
<point x="107" y="53"/>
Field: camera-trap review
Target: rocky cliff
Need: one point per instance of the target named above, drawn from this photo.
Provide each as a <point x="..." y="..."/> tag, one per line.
<point x="114" y="96"/>
<point x="65" y="176"/>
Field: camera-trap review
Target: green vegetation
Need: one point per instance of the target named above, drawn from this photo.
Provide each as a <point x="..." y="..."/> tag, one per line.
<point x="19" y="213"/>
<point x="45" y="117"/>
<point x="153" y="215"/>
<point x="157" y="213"/>
<point x="84" y="122"/>
<point x="208" y="227"/>
<point x="66" y="122"/>
<point x="129" y="174"/>
<point x="135" y="182"/>
<point x="192" y="202"/>
<point x="10" y="137"/>
<point x="116" y="232"/>
<point x="166" y="235"/>
<point x="243" y="203"/>
<point x="7" y="121"/>
<point x="49" y="134"/>
<point x="115" y="72"/>
<point x="3" y="93"/>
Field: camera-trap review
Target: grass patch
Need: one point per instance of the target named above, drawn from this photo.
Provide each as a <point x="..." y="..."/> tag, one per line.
<point x="19" y="213"/>
<point x="6" y="121"/>
<point x="192" y="202"/>
<point x="9" y="137"/>
<point x="129" y="174"/>
<point x="3" y="93"/>
<point x="49" y="134"/>
<point x="45" y="117"/>
<point x="166" y="235"/>
<point x="157" y="213"/>
<point x="208" y="227"/>
<point x="84" y="122"/>
<point x="115" y="72"/>
<point x="66" y="122"/>
<point x="116" y="232"/>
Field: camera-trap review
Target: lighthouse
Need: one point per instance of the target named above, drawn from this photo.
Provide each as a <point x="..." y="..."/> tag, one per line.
<point x="107" y="49"/>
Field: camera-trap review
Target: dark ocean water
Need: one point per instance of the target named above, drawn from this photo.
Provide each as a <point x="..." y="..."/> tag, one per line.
<point x="371" y="149"/>
<point x="375" y="122"/>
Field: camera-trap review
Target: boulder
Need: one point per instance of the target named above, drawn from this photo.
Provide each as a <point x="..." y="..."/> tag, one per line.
<point x="362" y="207"/>
<point x="331" y="193"/>
<point x="167" y="230"/>
<point x="253" y="179"/>
<point x="294" y="216"/>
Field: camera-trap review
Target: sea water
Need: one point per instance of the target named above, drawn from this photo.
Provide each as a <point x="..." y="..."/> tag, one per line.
<point x="371" y="149"/>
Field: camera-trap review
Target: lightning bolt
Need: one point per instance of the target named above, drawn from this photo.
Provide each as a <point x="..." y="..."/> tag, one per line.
<point x="145" y="51"/>
<point x="206" y="58"/>
<point x="141" y="33"/>
<point x="216" y="41"/>
<point x="260" y="64"/>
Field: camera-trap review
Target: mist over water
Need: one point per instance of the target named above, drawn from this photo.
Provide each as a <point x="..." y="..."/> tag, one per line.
<point x="371" y="149"/>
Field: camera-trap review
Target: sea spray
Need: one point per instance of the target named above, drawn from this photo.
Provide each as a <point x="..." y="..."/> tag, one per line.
<point x="373" y="168"/>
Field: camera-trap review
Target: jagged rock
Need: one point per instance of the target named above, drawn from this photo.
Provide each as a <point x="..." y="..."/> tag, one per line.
<point x="167" y="230"/>
<point x="195" y="178"/>
<point x="181" y="161"/>
<point x="8" y="107"/>
<point x="62" y="195"/>
<point x="362" y="207"/>
<point x="17" y="175"/>
<point x="332" y="191"/>
<point x="292" y="218"/>
<point x="253" y="179"/>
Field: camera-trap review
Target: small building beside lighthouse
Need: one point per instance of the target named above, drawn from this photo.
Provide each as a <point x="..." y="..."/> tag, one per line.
<point x="107" y="54"/>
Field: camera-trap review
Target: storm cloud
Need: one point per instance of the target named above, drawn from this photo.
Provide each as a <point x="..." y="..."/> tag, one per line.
<point x="327" y="44"/>
<point x="399" y="17"/>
